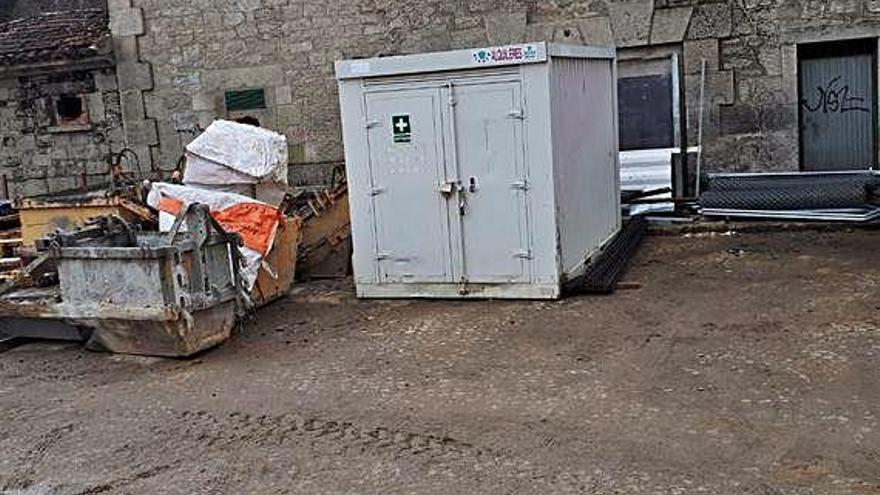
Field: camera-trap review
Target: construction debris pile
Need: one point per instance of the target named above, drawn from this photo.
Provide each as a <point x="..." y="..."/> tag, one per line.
<point x="10" y="241"/>
<point x="326" y="249"/>
<point x="132" y="292"/>
<point x="256" y="222"/>
<point x="66" y="211"/>
<point x="821" y="196"/>
<point x="240" y="172"/>
<point x="167" y="269"/>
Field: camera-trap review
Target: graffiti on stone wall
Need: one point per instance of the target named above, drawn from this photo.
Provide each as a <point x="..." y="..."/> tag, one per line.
<point x="835" y="97"/>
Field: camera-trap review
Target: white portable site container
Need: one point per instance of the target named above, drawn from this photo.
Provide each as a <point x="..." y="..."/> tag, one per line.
<point x="486" y="173"/>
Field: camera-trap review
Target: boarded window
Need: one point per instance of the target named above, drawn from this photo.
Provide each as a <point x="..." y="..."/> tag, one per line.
<point x="247" y="99"/>
<point x="646" y="118"/>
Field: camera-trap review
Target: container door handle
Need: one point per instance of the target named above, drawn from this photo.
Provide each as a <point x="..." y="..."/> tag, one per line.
<point x="462" y="200"/>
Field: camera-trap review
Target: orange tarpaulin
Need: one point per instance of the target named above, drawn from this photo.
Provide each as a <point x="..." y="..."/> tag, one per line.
<point x="170" y="205"/>
<point x="256" y="223"/>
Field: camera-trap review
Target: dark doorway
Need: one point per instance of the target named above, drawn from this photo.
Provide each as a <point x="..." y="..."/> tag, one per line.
<point x="837" y="84"/>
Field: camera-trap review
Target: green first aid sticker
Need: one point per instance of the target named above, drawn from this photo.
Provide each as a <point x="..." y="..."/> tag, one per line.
<point x="401" y="126"/>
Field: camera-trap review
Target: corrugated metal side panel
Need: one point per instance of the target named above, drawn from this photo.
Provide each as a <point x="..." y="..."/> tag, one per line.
<point x="644" y="170"/>
<point x="357" y="168"/>
<point x="837" y="112"/>
<point x="585" y="155"/>
<point x="540" y="197"/>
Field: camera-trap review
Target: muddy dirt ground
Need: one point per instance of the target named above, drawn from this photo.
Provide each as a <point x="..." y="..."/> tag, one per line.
<point x="744" y="364"/>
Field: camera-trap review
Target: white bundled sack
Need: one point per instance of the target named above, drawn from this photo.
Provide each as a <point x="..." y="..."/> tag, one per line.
<point x="256" y="222"/>
<point x="239" y="158"/>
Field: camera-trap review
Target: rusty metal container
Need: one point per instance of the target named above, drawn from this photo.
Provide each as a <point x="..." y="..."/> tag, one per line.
<point x="169" y="295"/>
<point x="325" y="250"/>
<point x="44" y="215"/>
<point x="279" y="268"/>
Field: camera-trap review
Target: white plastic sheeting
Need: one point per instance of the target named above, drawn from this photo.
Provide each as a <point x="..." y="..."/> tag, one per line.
<point x="644" y="170"/>
<point x="217" y="202"/>
<point x="239" y="158"/>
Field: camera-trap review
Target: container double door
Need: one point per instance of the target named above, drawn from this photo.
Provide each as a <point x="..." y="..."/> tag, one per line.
<point x="448" y="182"/>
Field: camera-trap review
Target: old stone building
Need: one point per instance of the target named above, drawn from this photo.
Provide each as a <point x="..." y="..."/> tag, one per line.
<point x="789" y="84"/>
<point x="59" y="108"/>
<point x="201" y="52"/>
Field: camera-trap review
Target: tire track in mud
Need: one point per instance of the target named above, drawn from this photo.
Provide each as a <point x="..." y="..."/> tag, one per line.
<point x="22" y="478"/>
<point x="24" y="472"/>
<point x="236" y="430"/>
<point x="273" y="430"/>
<point x="125" y="481"/>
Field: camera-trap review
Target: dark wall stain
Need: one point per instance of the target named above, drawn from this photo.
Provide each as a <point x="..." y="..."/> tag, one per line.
<point x="17" y="9"/>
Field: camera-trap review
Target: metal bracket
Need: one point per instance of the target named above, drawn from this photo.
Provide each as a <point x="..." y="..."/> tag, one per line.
<point x="447" y="188"/>
<point x="383" y="255"/>
<point x="521" y="184"/>
<point x="525" y="254"/>
<point x="462" y="200"/>
<point x="452" y="101"/>
<point x="372" y="123"/>
<point x="33" y="266"/>
<point x="517" y="114"/>
<point x="377" y="191"/>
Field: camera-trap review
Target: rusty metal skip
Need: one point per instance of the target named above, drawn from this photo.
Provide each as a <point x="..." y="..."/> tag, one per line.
<point x="169" y="295"/>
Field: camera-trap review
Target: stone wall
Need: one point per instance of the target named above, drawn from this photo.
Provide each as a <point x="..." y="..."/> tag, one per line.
<point x="175" y="60"/>
<point x="39" y="156"/>
<point x="198" y="49"/>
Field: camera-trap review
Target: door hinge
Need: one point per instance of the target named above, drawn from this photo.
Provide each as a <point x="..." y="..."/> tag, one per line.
<point x="383" y="255"/>
<point x="376" y="191"/>
<point x="369" y="124"/>
<point x="517" y="114"/>
<point x="521" y="184"/>
<point x="524" y="254"/>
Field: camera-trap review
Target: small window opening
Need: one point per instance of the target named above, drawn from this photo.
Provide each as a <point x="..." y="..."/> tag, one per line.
<point x="70" y="112"/>
<point x="69" y="107"/>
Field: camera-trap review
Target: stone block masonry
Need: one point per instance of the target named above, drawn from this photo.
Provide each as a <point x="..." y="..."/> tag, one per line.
<point x="175" y="62"/>
<point x="36" y="154"/>
<point x="182" y="57"/>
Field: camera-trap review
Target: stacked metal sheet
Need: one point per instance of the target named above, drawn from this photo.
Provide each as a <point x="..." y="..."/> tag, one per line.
<point x="605" y="270"/>
<point x="824" y="196"/>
